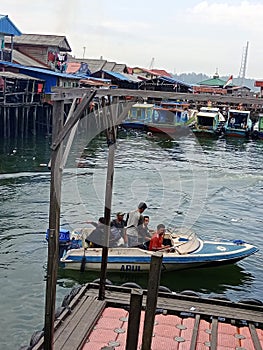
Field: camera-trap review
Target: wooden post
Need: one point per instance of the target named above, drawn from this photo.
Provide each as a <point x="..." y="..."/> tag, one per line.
<point x="34" y="120"/>
<point x="27" y="120"/>
<point x="22" y="120"/>
<point x="134" y="319"/>
<point x="151" y="302"/>
<point x="5" y="122"/>
<point x="54" y="225"/>
<point x="8" y="122"/>
<point x="111" y="139"/>
<point x="16" y="122"/>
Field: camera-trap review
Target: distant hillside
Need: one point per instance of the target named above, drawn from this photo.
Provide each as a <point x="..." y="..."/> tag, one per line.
<point x="193" y="78"/>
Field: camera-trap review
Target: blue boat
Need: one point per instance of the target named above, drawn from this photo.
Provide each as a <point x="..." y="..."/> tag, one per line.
<point x="187" y="251"/>
<point x="238" y="123"/>
<point x="139" y="115"/>
<point x="168" y="116"/>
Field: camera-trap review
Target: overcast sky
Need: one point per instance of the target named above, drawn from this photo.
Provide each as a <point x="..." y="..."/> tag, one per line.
<point x="182" y="36"/>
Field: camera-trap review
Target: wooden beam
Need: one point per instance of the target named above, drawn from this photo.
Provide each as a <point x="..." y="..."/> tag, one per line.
<point x="71" y="93"/>
<point x="77" y="115"/>
<point x="54" y="226"/>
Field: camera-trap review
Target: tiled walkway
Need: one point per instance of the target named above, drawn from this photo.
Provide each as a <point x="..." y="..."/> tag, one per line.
<point x="170" y="333"/>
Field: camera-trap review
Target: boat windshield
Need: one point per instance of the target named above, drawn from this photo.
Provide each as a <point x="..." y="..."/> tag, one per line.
<point x="237" y="119"/>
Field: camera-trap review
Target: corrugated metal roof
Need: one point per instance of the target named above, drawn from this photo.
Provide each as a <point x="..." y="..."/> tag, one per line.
<point x="175" y="81"/>
<point x="213" y="82"/>
<point x="43" y="40"/>
<point x="43" y="71"/>
<point x="109" y="66"/>
<point x="7" y="27"/>
<point x="94" y="64"/>
<point x="24" y="60"/>
<point x="161" y="72"/>
<point x="119" y="67"/>
<point x="121" y="76"/>
<point x="17" y="76"/>
<point x="132" y="77"/>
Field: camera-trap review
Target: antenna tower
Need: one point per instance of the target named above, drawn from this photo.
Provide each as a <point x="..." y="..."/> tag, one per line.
<point x="243" y="66"/>
<point x="152" y="63"/>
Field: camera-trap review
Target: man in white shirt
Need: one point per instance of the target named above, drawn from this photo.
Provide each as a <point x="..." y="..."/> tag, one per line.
<point x="135" y="219"/>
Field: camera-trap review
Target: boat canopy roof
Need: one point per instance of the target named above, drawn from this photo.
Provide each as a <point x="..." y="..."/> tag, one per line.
<point x="143" y="105"/>
<point x="209" y="109"/>
<point x="207" y="114"/>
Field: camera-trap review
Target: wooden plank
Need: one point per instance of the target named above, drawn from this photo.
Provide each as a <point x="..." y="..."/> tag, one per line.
<point x="195" y="333"/>
<point x="214" y="332"/>
<point x="69" y="323"/>
<point x="65" y="316"/>
<point x="76" y="335"/>
<point x="254" y="336"/>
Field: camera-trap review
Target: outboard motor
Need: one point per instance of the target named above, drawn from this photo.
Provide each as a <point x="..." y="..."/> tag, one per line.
<point x="64" y="240"/>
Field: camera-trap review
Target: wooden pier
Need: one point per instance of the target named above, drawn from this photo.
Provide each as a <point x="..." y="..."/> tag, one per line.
<point x="181" y="322"/>
<point x="24" y="111"/>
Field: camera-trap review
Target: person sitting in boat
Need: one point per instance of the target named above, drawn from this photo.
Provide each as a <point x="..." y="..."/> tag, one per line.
<point x="232" y="122"/>
<point x="144" y="233"/>
<point x="96" y="237"/>
<point x="156" y="242"/>
<point x="134" y="220"/>
<point x="244" y="124"/>
<point x="118" y="235"/>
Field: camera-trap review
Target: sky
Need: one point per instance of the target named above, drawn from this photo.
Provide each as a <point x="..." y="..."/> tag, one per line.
<point x="180" y="36"/>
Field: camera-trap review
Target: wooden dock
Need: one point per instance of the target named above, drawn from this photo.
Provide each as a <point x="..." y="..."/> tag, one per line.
<point x="181" y="322"/>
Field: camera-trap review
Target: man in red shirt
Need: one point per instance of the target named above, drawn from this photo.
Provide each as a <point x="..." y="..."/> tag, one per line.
<point x="156" y="242"/>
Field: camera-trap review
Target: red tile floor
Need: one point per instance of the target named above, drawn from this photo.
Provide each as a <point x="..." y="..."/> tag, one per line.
<point x="170" y="332"/>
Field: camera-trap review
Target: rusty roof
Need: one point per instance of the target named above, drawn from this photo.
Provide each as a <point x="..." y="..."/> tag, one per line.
<point x="96" y="65"/>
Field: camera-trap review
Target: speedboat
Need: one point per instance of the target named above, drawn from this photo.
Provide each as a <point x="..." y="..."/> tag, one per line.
<point x="187" y="251"/>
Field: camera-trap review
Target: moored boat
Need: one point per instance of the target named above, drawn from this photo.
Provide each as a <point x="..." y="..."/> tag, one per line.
<point x="238" y="123"/>
<point x="168" y="116"/>
<point x="209" y="121"/>
<point x="187" y="251"/>
<point x="257" y="133"/>
<point x="139" y="115"/>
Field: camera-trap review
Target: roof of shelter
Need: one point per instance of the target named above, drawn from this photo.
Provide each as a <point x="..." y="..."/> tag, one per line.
<point x="24" y="60"/>
<point x="96" y="65"/>
<point x="12" y="75"/>
<point x="215" y="81"/>
<point x="161" y="72"/>
<point x="43" y="40"/>
<point x="7" y="27"/>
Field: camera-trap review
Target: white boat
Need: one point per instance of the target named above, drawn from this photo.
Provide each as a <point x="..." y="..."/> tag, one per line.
<point x="209" y="121"/>
<point x="187" y="251"/>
